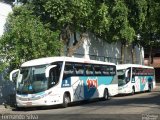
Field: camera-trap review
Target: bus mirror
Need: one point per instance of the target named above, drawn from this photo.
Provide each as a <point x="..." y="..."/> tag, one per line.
<point x="127" y="76"/>
<point x="13" y="75"/>
<point x="126" y="73"/>
<point x="48" y="69"/>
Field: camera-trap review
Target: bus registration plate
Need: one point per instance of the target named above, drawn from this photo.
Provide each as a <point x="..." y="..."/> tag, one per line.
<point x="29" y="103"/>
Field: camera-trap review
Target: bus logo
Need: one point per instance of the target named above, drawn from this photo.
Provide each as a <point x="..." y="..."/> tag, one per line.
<point x="92" y="83"/>
<point x="66" y="83"/>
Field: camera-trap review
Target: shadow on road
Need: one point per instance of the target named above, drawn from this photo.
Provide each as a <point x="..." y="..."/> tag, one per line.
<point x="55" y="106"/>
<point x="151" y="100"/>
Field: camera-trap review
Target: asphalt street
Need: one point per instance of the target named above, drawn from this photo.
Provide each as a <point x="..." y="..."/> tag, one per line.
<point x="141" y="106"/>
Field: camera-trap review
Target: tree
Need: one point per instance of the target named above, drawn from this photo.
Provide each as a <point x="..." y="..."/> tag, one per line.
<point x="72" y="17"/>
<point x="26" y="38"/>
<point x="111" y="20"/>
<point x="137" y="11"/>
<point x="150" y="32"/>
<point x="105" y="19"/>
<point x="120" y="28"/>
<point x="8" y="1"/>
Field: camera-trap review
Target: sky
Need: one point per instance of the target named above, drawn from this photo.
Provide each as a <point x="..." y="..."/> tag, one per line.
<point x="4" y="10"/>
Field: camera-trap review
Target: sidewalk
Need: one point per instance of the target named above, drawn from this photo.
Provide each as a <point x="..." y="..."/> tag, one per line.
<point x="157" y="87"/>
<point x="2" y="109"/>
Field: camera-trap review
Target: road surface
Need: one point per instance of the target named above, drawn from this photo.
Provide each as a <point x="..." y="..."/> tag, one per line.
<point x="141" y="106"/>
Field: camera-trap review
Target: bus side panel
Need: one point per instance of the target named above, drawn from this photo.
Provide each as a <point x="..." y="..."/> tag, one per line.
<point x="154" y="82"/>
<point x="137" y="84"/>
<point x="88" y="87"/>
<point x="94" y="86"/>
<point x="142" y="83"/>
<point x="77" y="88"/>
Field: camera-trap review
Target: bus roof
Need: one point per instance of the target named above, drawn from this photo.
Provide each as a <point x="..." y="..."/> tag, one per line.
<point x="125" y="66"/>
<point x="49" y="60"/>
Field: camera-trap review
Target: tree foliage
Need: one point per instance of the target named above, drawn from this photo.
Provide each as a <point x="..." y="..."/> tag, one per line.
<point x="37" y="22"/>
<point x="26" y="38"/>
<point x="120" y="29"/>
<point x="150" y="33"/>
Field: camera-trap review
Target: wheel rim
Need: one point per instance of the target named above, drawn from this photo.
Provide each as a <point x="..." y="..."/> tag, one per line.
<point x="150" y="88"/>
<point x="105" y="94"/>
<point x="66" y="100"/>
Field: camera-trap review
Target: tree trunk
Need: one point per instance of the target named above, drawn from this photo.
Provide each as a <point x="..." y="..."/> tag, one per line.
<point x="62" y="48"/>
<point x="140" y="55"/>
<point x="65" y="37"/>
<point x="133" y="55"/>
<point x="71" y="49"/>
<point x="150" y="55"/>
<point x="123" y="53"/>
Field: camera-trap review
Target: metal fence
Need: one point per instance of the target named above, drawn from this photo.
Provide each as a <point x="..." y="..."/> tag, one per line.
<point x="104" y="58"/>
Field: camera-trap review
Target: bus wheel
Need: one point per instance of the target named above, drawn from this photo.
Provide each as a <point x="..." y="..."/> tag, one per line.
<point x="106" y="95"/>
<point x="66" y="100"/>
<point x="133" y="90"/>
<point x="149" y="88"/>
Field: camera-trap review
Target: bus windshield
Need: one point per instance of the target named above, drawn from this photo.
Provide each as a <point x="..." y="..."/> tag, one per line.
<point x="32" y="80"/>
<point x="123" y="76"/>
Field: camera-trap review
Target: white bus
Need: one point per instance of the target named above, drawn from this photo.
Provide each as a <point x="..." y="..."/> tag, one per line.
<point x="61" y="80"/>
<point x="135" y="78"/>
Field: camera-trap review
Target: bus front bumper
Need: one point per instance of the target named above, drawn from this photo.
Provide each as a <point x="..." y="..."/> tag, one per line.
<point x="46" y="101"/>
<point x="124" y="90"/>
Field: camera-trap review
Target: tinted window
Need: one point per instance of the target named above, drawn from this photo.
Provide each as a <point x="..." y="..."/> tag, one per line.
<point x="112" y="70"/>
<point x="79" y="69"/>
<point x="109" y="70"/>
<point x="142" y="71"/>
<point x="54" y="76"/>
<point x="89" y="69"/>
<point x="68" y="70"/>
<point x="97" y="70"/>
<point x="105" y="70"/>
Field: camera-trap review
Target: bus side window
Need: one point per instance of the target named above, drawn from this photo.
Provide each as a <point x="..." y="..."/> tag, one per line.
<point x="105" y="70"/>
<point x="54" y="76"/>
<point x="79" y="69"/>
<point x="68" y="70"/>
<point x="88" y="69"/>
<point x="112" y="70"/>
<point x="97" y="70"/>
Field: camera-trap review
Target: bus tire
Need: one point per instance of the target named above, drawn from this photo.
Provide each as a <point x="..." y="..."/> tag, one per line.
<point x="133" y="90"/>
<point x="66" y="100"/>
<point x="149" y="88"/>
<point x="106" y="95"/>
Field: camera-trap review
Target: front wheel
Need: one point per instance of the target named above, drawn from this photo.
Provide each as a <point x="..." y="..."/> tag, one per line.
<point x="66" y="100"/>
<point x="149" y="88"/>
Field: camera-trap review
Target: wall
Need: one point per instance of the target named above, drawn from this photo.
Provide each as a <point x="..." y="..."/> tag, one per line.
<point x="97" y="49"/>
